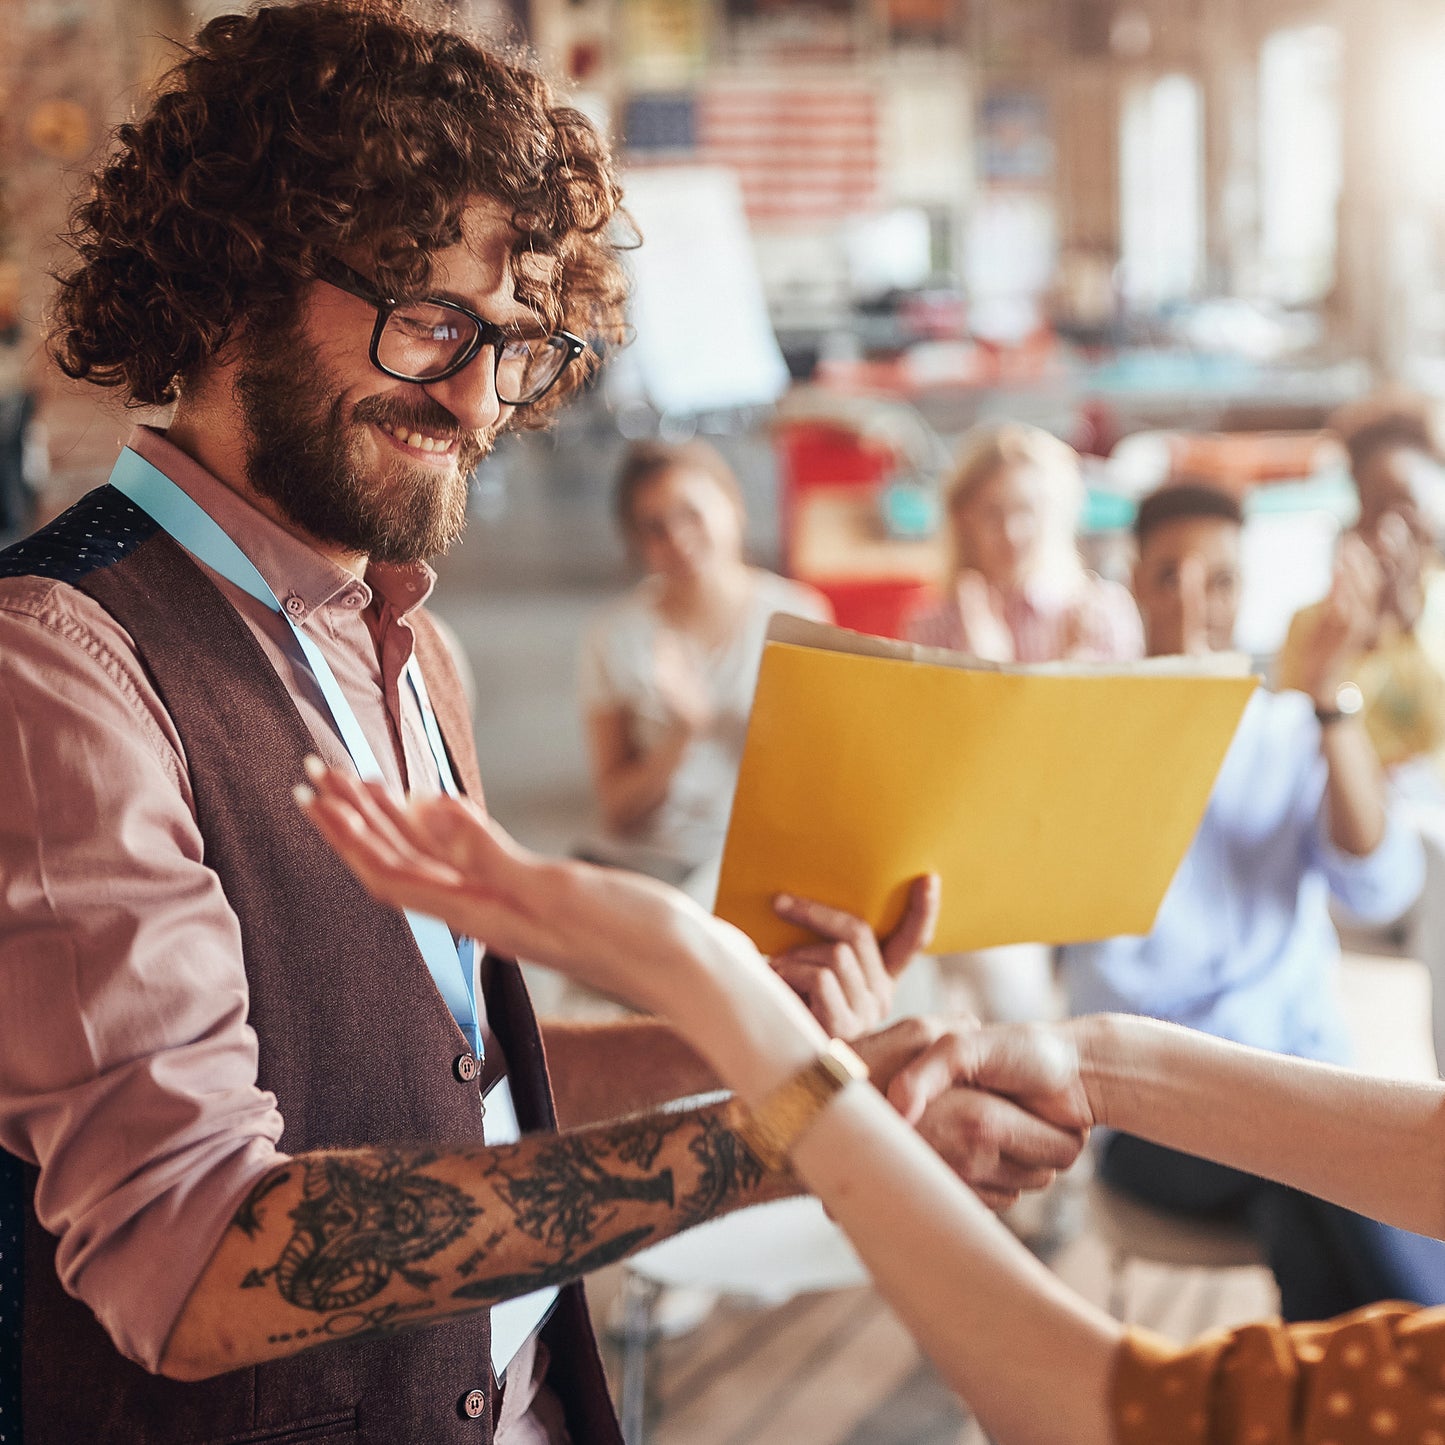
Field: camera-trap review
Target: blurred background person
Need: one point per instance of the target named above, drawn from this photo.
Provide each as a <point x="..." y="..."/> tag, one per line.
<point x="1395" y="465"/>
<point x="1018" y="591"/>
<point x="668" y="671"/>
<point x="1243" y="946"/>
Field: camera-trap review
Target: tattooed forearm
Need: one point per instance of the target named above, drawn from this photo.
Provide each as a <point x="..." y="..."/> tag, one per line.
<point x="726" y="1172"/>
<point x="364" y="1241"/>
<point x="363" y="1219"/>
<point x="564" y="1192"/>
<point x="504" y="1286"/>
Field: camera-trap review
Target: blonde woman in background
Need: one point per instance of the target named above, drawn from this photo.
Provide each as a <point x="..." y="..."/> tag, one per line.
<point x="1018" y="591"/>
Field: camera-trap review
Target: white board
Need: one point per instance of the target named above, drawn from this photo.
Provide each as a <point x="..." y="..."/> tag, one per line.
<point x="704" y="341"/>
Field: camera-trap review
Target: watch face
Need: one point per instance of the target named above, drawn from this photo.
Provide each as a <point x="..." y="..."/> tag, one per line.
<point x="1349" y="699"/>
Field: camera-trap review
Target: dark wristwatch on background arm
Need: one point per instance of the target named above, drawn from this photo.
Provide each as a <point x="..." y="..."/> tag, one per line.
<point x="1348" y="702"/>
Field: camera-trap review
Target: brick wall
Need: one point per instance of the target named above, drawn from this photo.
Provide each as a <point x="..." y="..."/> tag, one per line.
<point x="70" y="71"/>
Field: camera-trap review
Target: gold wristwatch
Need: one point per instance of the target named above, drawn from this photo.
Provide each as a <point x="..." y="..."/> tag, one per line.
<point x="772" y="1129"/>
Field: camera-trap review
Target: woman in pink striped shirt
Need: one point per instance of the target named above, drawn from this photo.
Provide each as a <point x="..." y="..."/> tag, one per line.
<point x="1018" y="591"/>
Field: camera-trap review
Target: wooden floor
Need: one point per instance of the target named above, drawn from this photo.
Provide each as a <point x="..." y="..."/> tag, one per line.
<point x="838" y="1369"/>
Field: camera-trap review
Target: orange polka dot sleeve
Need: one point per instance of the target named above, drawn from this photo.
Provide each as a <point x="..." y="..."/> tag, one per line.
<point x="1375" y="1377"/>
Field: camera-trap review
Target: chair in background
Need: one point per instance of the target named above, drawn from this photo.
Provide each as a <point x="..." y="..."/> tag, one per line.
<point x="767" y="1254"/>
<point x="1133" y="1232"/>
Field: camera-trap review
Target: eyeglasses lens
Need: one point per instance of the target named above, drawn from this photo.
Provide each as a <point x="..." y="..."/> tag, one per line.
<point x="425" y="340"/>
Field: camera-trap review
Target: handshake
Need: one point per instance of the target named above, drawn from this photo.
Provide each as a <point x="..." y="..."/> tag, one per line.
<point x="1005" y="1107"/>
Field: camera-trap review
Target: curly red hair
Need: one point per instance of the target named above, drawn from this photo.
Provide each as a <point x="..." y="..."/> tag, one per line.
<point x="315" y="127"/>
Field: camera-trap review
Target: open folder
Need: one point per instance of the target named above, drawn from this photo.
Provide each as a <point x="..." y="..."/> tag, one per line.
<point x="1055" y="801"/>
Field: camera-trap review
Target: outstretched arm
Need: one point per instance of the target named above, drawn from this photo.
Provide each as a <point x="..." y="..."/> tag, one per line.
<point x="1373" y="1145"/>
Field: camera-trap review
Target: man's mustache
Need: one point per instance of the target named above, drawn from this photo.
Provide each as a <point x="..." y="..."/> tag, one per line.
<point x="426" y="416"/>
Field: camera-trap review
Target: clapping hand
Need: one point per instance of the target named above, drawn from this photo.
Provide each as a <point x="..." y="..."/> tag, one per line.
<point x="1347" y="621"/>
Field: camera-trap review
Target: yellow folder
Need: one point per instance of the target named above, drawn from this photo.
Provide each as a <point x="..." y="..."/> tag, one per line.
<point x="1056" y="802"/>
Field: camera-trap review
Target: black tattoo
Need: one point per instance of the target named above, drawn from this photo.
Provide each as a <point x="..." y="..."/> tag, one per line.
<point x="643" y="1145"/>
<point x="362" y="1219"/>
<point x="507" y="1285"/>
<point x="567" y="1192"/>
<point x="247" y="1219"/>
<point x="726" y="1170"/>
<point x="384" y="1320"/>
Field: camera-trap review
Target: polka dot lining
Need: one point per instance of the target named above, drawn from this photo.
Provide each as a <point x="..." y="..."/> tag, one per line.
<point x="1369" y="1378"/>
<point x="99" y="530"/>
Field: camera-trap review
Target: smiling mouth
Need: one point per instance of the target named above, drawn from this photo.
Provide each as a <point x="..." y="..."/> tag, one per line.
<point x="416" y="441"/>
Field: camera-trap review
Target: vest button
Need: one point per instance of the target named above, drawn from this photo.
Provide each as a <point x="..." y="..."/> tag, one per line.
<point x="473" y="1405"/>
<point x="465" y="1067"/>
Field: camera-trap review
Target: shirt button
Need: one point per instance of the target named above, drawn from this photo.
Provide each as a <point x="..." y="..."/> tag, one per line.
<point x="295" y="604"/>
<point x="353" y="599"/>
<point x="473" y="1404"/>
<point x="464" y="1066"/>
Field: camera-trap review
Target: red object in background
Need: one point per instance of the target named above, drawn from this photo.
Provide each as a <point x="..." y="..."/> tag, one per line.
<point x="877" y="607"/>
<point x="824" y="454"/>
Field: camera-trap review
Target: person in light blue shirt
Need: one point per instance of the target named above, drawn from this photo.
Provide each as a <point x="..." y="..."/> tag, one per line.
<point x="1243" y="946"/>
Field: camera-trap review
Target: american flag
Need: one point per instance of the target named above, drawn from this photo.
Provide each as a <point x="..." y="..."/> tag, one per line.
<point x="802" y="153"/>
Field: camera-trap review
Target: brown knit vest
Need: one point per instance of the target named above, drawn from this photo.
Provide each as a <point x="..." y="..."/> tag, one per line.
<point x="354" y="1038"/>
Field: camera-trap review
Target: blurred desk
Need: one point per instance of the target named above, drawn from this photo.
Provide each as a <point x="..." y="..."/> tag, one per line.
<point x="837" y="544"/>
<point x="838" y="536"/>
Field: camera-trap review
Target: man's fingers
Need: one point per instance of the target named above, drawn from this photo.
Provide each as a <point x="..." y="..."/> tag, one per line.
<point x="997" y="1200"/>
<point x="819" y="988"/>
<point x="915" y="928"/>
<point x="838" y="926"/>
<point x="819" y="918"/>
<point x="977" y="1130"/>
<point x="1022" y="1178"/>
<point x="839" y="960"/>
<point x="945" y="1063"/>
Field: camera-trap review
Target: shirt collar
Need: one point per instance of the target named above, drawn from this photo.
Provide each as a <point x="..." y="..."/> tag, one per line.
<point x="301" y="577"/>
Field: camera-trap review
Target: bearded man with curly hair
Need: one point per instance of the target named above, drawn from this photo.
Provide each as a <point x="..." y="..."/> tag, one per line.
<point x="348" y="245"/>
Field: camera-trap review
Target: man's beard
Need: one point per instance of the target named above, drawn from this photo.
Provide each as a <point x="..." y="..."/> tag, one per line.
<point x="307" y="455"/>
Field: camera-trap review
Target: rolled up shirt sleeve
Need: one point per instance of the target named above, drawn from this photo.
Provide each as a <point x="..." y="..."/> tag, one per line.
<point x="1378" y="887"/>
<point x="129" y="1071"/>
<point x="1371" y="1376"/>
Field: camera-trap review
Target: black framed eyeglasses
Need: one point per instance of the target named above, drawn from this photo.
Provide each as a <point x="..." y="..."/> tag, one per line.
<point x="430" y="340"/>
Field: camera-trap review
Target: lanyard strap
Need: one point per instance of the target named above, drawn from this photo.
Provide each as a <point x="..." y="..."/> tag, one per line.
<point x="451" y="964"/>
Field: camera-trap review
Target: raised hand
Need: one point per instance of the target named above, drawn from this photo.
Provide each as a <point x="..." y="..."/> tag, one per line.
<point x="985" y="633"/>
<point x="847" y="978"/>
<point x="1348" y="619"/>
<point x="608" y="928"/>
<point x="680" y="683"/>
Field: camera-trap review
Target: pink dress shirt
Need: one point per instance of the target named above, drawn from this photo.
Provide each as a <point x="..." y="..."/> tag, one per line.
<point x="129" y="1071"/>
<point x="1083" y="617"/>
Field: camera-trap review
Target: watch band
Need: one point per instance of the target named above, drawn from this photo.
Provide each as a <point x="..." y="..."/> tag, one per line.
<point x="772" y="1129"/>
<point x="1348" y="702"/>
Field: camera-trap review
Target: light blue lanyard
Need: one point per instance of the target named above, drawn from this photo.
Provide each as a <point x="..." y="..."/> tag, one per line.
<point x="452" y="964"/>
